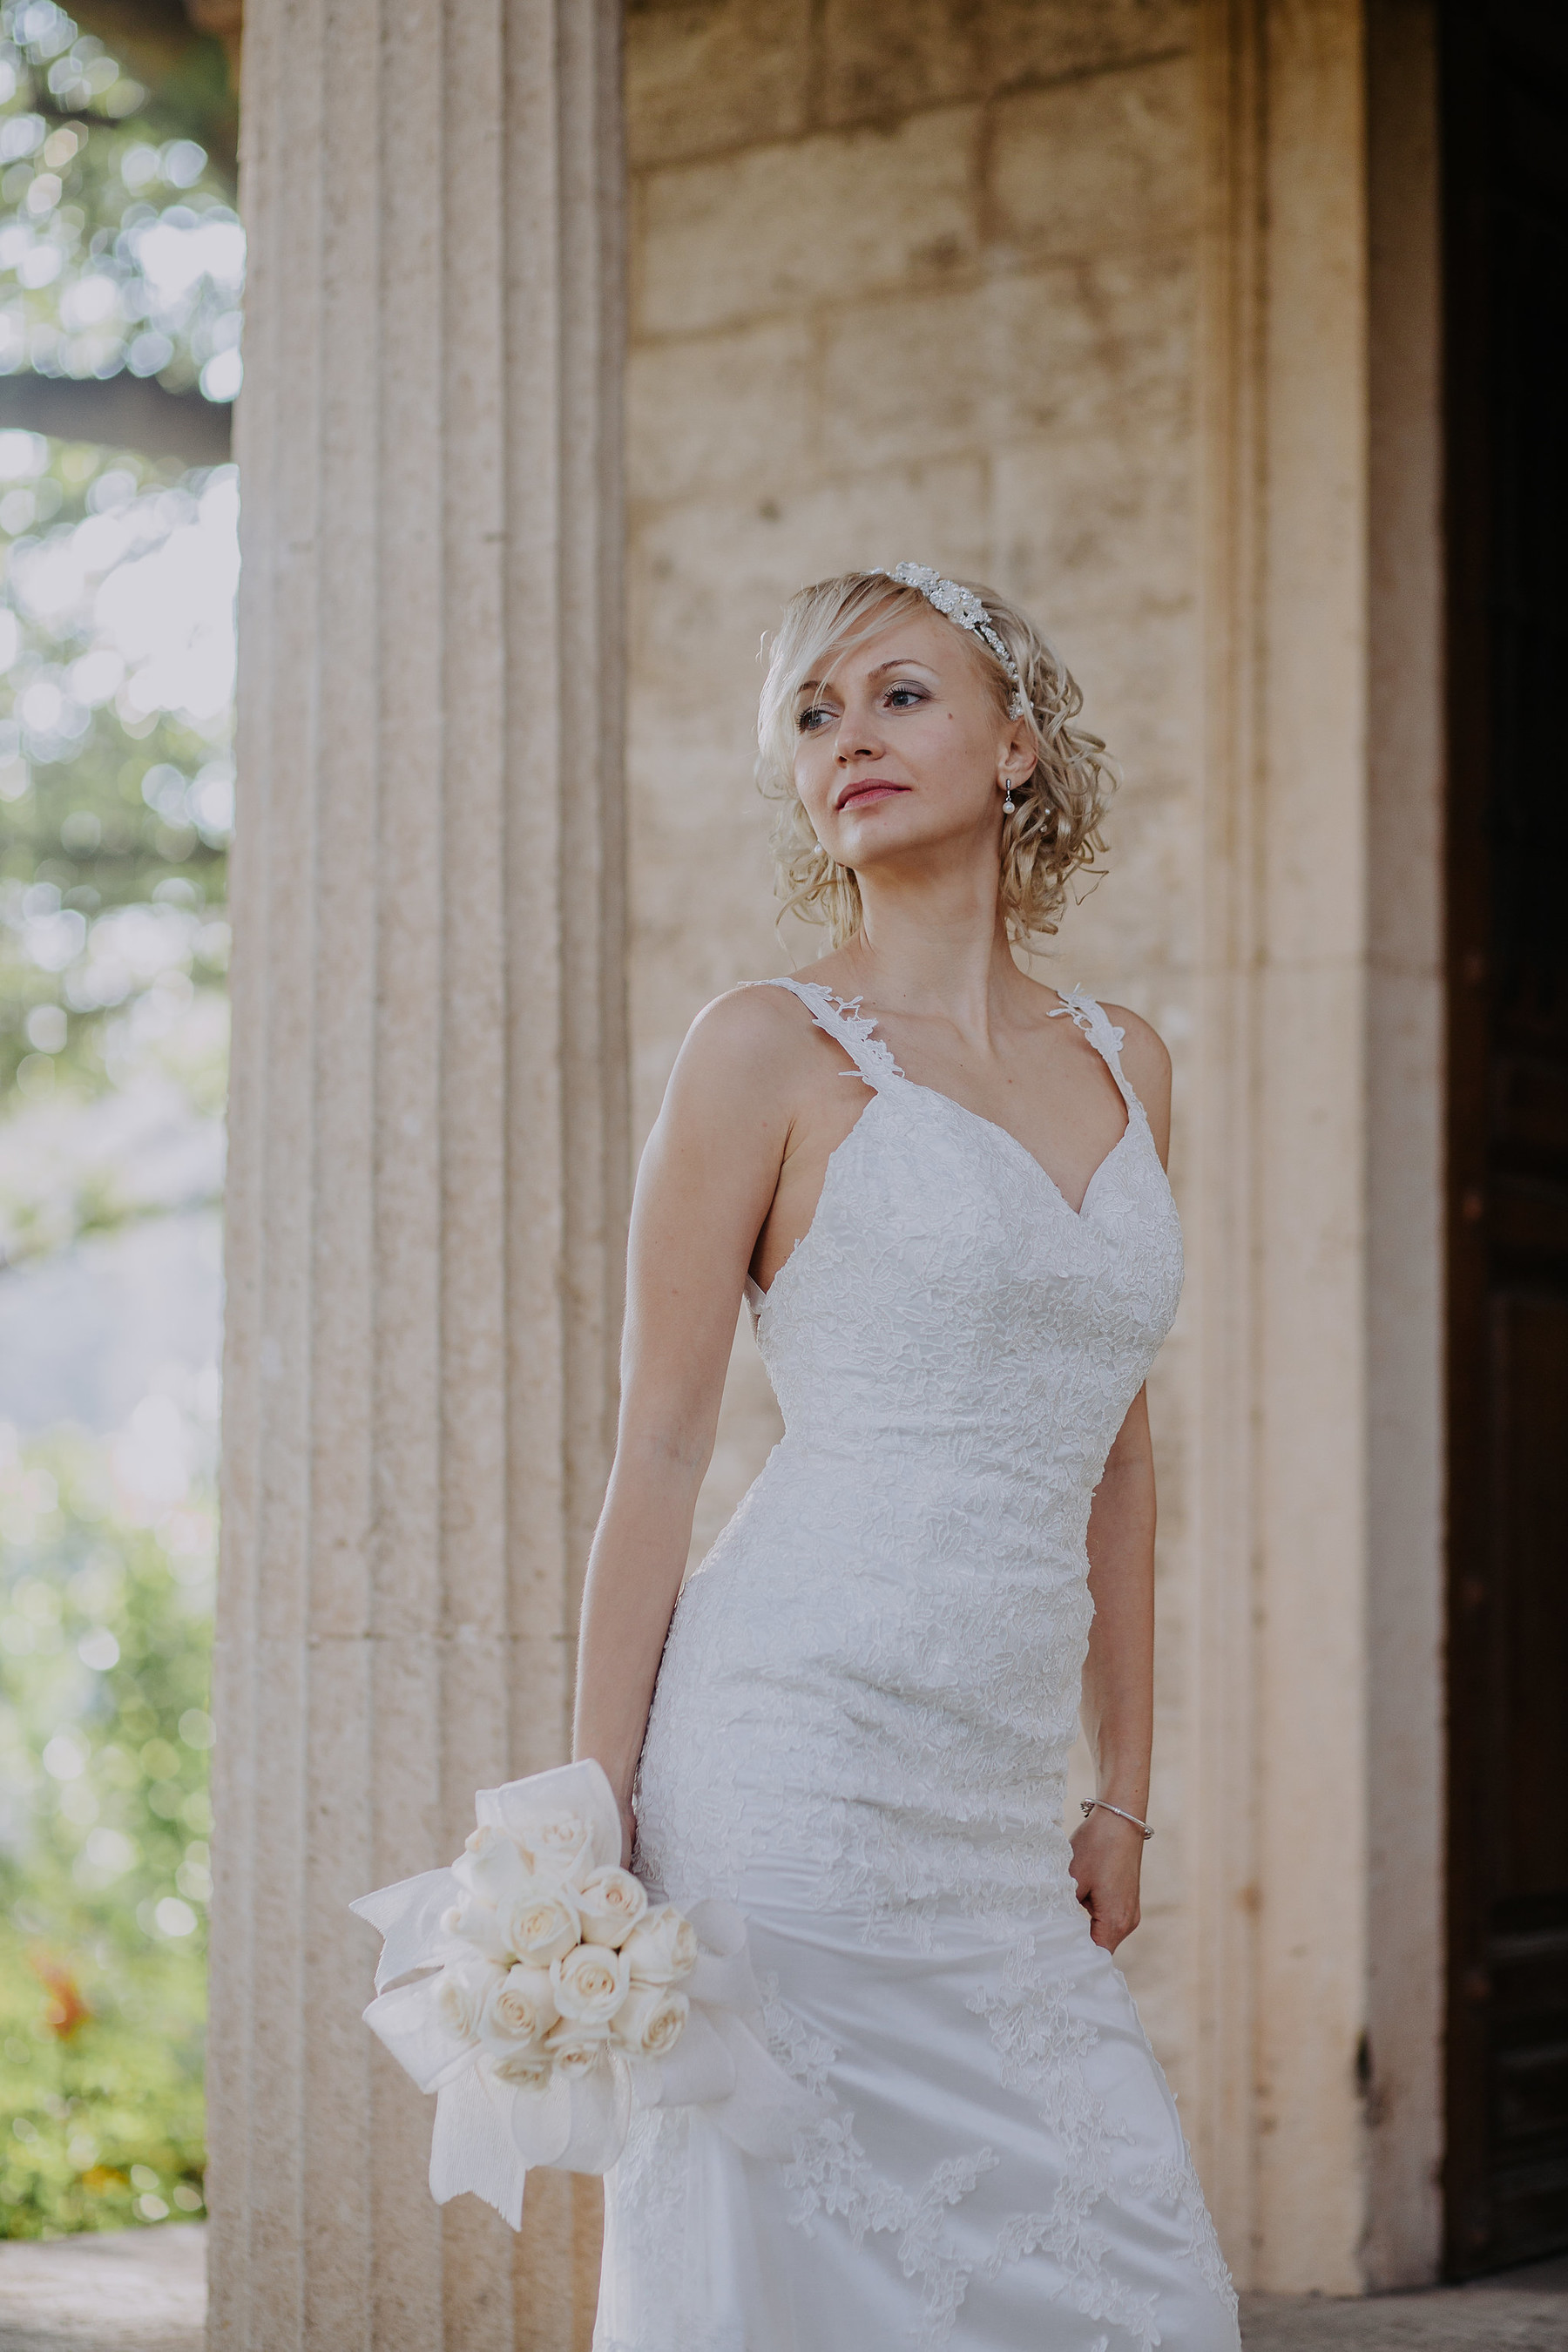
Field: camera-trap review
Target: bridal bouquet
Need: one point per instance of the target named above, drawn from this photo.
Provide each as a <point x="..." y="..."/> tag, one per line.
<point x="537" y="1992"/>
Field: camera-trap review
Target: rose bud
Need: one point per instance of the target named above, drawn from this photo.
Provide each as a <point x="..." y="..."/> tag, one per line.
<point x="465" y="1986"/>
<point x="540" y="1924"/>
<point x="557" y="1846"/>
<point x="575" y="2048"/>
<point x="648" y="2023"/>
<point x="491" y="1865"/>
<point x="589" y="1983"/>
<point x="520" y="2008"/>
<point x="475" y="1923"/>
<point x="531" y="2067"/>
<point x="610" y="1903"/>
<point x="662" y="1950"/>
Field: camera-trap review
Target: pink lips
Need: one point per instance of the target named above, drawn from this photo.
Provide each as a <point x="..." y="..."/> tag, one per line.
<point x="874" y="788"/>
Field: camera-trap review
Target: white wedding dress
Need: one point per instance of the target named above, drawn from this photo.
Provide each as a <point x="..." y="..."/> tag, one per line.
<point x="859" y="1735"/>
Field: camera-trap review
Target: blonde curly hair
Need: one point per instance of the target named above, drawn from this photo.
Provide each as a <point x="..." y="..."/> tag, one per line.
<point x="1056" y="831"/>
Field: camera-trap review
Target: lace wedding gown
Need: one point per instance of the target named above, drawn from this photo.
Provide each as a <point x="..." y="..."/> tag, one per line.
<point x="859" y="1735"/>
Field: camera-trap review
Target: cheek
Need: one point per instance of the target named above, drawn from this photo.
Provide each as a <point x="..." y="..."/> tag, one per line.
<point x="814" y="775"/>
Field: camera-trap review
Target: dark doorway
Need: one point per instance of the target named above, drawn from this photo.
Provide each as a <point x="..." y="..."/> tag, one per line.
<point x="1505" y="139"/>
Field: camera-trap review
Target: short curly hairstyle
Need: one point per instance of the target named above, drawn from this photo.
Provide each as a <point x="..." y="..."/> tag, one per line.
<point x="1060" y="807"/>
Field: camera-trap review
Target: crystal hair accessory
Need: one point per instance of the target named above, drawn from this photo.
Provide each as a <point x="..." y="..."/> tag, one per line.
<point x="541" y="1993"/>
<point x="963" y="608"/>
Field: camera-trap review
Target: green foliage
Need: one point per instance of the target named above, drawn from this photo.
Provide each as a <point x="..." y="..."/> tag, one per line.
<point x="114" y="812"/>
<point x="99" y="271"/>
<point x="104" y="1822"/>
<point x="120" y="253"/>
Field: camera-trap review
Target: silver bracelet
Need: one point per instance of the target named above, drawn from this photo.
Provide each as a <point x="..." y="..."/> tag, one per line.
<point x="1089" y="1803"/>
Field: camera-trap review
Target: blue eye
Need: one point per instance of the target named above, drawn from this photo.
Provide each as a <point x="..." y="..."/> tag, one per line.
<point x="810" y="720"/>
<point x="901" y="696"/>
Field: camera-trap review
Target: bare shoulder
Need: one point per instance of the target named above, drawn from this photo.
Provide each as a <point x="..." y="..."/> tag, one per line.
<point x="1146" y="1064"/>
<point x="750" y="1048"/>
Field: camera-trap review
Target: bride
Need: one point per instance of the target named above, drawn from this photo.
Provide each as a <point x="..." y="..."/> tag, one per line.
<point x="941" y="1187"/>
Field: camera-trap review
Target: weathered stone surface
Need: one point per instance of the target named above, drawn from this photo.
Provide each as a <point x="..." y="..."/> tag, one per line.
<point x="121" y="2291"/>
<point x="143" y="2291"/>
<point x="708" y="75"/>
<point x="429" y="1144"/>
<point x="1092" y="166"/>
<point x="826" y="218"/>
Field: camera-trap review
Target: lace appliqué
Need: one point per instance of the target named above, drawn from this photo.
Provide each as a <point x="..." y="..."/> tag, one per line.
<point x="1175" y="2181"/>
<point x="831" y="2173"/>
<point x="842" y="1019"/>
<point x="1089" y="1015"/>
<point x="1041" y="2046"/>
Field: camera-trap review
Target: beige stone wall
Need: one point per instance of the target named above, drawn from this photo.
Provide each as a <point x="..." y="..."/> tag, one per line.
<point x="918" y="283"/>
<point x="1071" y="295"/>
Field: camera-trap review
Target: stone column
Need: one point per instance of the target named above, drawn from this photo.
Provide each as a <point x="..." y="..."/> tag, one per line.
<point x="428" y="1136"/>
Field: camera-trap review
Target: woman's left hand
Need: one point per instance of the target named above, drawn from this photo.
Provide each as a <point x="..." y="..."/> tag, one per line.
<point x="1106" y="1858"/>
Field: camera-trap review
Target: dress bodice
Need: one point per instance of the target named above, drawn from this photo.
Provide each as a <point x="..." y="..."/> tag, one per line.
<point x="948" y="1311"/>
<point x="886" y="1642"/>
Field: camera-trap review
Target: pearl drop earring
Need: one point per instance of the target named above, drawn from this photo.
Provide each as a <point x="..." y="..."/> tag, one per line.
<point x="1009" y="804"/>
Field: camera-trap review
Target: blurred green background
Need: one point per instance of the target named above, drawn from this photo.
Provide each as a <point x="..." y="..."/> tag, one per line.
<point x="122" y="265"/>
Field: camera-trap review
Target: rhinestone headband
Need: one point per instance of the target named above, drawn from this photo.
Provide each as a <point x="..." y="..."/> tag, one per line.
<point x="962" y="606"/>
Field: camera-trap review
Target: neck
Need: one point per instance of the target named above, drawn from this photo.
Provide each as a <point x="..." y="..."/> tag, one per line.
<point x="936" y="945"/>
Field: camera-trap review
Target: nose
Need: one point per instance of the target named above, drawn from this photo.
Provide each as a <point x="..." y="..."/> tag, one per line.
<point x="857" y="740"/>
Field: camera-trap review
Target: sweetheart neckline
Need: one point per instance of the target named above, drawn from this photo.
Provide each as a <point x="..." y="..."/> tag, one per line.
<point x="757" y="1297"/>
<point x="996" y="1128"/>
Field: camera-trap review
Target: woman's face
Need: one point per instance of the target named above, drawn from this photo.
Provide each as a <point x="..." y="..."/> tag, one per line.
<point x="899" y="746"/>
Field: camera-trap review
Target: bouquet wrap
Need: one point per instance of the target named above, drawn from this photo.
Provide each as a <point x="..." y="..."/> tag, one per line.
<point x="539" y="1992"/>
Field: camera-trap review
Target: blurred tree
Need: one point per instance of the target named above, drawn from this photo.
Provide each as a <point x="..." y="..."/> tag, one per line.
<point x="118" y="302"/>
<point x="120" y="268"/>
<point x="105" y="1599"/>
<point x="115" y="783"/>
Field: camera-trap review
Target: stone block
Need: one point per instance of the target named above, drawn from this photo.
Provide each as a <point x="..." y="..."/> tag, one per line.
<point x="1044" y="40"/>
<point x="881" y="60"/>
<point x="710" y="576"/>
<point x="830" y="218"/>
<point x="706" y="74"/>
<point x="727" y="411"/>
<point x="1102" y="346"/>
<point x="1098" y="165"/>
<point x="1097" y="348"/>
<point x="912" y="376"/>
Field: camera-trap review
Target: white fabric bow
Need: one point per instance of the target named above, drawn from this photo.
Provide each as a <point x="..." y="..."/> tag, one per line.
<point x="489" y="2131"/>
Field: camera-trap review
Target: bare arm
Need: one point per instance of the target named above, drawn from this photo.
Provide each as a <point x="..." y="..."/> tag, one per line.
<point x="1119" y="1679"/>
<point x="1118" y="1671"/>
<point x="703" y="1190"/>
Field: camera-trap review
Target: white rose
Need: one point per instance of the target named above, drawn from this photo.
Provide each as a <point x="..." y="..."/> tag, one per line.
<point x="466" y="1986"/>
<point x="491" y="1865"/>
<point x="662" y="1951"/>
<point x="531" y="2067"/>
<point x="476" y="1923"/>
<point x="556" y="1845"/>
<point x="539" y="1923"/>
<point x="520" y="2008"/>
<point x="610" y="1903"/>
<point x="648" y="2023"/>
<point x="578" y="2048"/>
<point x="589" y="1983"/>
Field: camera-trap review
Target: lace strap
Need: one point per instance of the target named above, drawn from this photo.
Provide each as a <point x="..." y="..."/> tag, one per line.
<point x="847" y="1026"/>
<point x="1088" y="1014"/>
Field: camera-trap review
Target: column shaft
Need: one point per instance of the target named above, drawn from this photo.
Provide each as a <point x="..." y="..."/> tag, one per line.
<point x="428" y="1131"/>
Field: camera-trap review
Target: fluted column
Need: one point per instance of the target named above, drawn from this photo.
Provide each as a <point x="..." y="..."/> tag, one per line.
<point x="429" y="1143"/>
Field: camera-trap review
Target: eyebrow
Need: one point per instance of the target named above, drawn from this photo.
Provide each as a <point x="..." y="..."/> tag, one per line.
<point x="907" y="661"/>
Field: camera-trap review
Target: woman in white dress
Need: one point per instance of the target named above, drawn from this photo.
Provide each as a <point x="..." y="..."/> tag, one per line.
<point x="941" y="1186"/>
